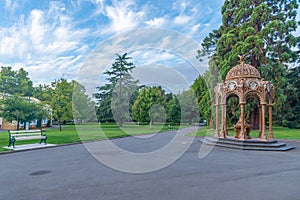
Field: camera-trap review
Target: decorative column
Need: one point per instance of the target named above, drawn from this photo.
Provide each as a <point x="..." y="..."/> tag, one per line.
<point x="260" y="122"/>
<point x="225" y="121"/>
<point x="242" y="133"/>
<point x="223" y="130"/>
<point x="270" y="136"/>
<point x="217" y="121"/>
<point x="263" y="121"/>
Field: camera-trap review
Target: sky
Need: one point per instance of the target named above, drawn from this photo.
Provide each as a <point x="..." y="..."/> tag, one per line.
<point x="52" y="39"/>
<point x="68" y="38"/>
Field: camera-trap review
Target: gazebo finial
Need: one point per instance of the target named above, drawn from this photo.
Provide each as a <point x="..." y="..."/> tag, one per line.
<point x="241" y="58"/>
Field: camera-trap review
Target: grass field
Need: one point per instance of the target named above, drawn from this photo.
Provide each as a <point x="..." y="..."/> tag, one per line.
<point x="279" y="133"/>
<point x="88" y="132"/>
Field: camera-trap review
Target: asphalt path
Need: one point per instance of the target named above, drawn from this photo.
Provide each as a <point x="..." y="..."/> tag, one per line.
<point x="71" y="172"/>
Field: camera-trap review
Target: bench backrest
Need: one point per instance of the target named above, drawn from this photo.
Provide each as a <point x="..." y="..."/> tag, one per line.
<point x="24" y="133"/>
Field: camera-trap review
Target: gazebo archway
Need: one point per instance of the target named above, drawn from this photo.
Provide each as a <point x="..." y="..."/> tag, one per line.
<point x="245" y="82"/>
<point x="232" y="101"/>
<point x="253" y="101"/>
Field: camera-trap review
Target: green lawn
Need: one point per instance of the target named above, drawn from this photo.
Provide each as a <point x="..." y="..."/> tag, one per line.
<point x="89" y="132"/>
<point x="279" y="133"/>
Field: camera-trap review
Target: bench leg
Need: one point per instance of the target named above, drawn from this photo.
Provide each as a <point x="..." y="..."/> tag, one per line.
<point x="12" y="143"/>
<point x="43" y="140"/>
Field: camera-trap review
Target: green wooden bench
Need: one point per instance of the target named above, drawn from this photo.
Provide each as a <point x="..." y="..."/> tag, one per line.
<point x="26" y="135"/>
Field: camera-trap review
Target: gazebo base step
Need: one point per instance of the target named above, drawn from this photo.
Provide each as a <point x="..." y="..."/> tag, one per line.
<point x="251" y="144"/>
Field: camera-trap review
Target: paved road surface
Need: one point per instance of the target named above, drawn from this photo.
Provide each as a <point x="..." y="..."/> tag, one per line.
<point x="70" y="172"/>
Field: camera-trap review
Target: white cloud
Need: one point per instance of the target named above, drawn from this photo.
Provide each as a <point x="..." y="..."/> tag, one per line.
<point x="43" y="43"/>
<point x="51" y="42"/>
<point x="180" y="5"/>
<point x="151" y="56"/>
<point x="36" y="29"/>
<point x="157" y="22"/>
<point x="182" y="19"/>
<point x="195" y="29"/>
<point x="11" y="5"/>
<point x="123" y="15"/>
<point x="56" y="7"/>
<point x="150" y="46"/>
<point x="100" y="6"/>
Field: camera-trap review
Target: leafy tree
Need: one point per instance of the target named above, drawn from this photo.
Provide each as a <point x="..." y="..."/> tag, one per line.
<point x="189" y="106"/>
<point x="43" y="92"/>
<point x="260" y="30"/>
<point x="83" y="106"/>
<point x="174" y="112"/>
<point x="15" y="82"/>
<point x="24" y="84"/>
<point x="8" y="80"/>
<point x="157" y="113"/>
<point x="114" y="96"/>
<point x="203" y="98"/>
<point x="150" y="105"/>
<point x="21" y="110"/>
<point x="103" y="110"/>
<point x="61" y="101"/>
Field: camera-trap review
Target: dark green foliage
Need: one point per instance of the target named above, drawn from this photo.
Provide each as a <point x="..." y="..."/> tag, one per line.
<point x="61" y="100"/>
<point x="20" y="109"/>
<point x="261" y="31"/>
<point x="203" y="98"/>
<point x="174" y="112"/>
<point x="189" y="107"/>
<point x="59" y="96"/>
<point x="42" y="92"/>
<point x="15" y="82"/>
<point x="292" y="106"/>
<point x="150" y="105"/>
<point x="114" y="97"/>
<point x="83" y="106"/>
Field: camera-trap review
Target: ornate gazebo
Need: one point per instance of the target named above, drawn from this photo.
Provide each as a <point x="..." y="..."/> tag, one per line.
<point x="244" y="81"/>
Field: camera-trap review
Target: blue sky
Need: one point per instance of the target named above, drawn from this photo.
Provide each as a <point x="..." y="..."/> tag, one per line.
<point x="52" y="39"/>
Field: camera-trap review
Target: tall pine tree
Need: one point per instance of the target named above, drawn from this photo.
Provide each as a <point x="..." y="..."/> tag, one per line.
<point x="114" y="97"/>
<point x="292" y="107"/>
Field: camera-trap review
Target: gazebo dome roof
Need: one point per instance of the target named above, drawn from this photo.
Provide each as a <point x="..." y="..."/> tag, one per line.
<point x="243" y="71"/>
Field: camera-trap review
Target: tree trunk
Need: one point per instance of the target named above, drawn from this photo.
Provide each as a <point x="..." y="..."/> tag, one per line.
<point x="120" y="123"/>
<point x="59" y="124"/>
<point x="18" y="124"/>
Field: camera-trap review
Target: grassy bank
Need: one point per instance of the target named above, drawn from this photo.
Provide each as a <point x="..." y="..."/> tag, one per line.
<point x="89" y="132"/>
<point x="279" y="133"/>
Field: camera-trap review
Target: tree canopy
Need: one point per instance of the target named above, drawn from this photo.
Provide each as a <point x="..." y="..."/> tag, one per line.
<point x="150" y="105"/>
<point x="61" y="100"/>
<point x="83" y="106"/>
<point x="15" y="82"/>
<point x="21" y="109"/>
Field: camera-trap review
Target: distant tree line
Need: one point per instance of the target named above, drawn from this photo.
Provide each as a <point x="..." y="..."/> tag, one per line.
<point x="122" y="99"/>
<point x="16" y="89"/>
